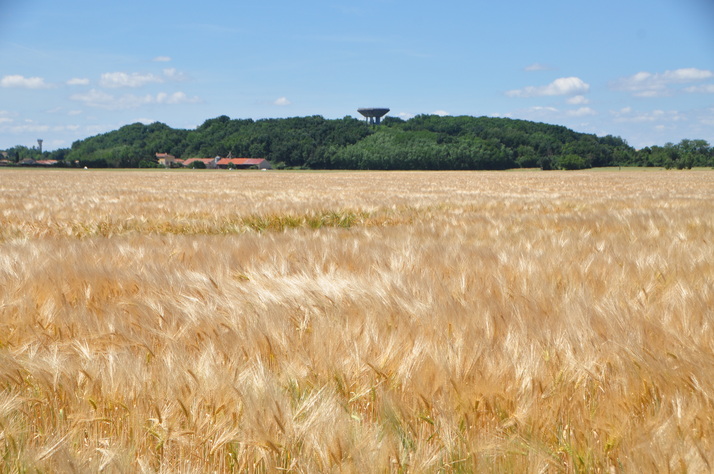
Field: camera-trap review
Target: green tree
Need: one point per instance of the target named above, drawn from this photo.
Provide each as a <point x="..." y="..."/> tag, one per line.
<point x="571" y="162"/>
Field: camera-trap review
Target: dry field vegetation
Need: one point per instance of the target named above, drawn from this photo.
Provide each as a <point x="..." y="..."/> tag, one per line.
<point x="159" y="321"/>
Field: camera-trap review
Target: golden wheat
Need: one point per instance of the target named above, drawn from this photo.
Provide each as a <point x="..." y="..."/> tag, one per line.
<point x="356" y="322"/>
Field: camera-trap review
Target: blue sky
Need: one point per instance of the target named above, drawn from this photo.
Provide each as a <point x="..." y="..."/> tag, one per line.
<point x="640" y="69"/>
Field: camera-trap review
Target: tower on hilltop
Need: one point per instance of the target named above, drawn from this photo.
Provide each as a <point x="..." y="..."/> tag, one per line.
<point x="373" y="115"/>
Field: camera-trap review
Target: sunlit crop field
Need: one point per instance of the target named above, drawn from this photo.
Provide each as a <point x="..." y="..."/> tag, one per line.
<point x="204" y="321"/>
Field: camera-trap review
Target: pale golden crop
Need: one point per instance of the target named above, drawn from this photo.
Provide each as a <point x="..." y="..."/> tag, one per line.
<point x="166" y="321"/>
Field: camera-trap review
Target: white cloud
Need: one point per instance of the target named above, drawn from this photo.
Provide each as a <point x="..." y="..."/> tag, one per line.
<point x="175" y="98"/>
<point x="536" y="67"/>
<point x="6" y="120"/>
<point x="23" y="82"/>
<point x="405" y="115"/>
<point x="78" y="81"/>
<point x="100" y="99"/>
<point x="74" y="112"/>
<point x="162" y="59"/>
<point x="115" y="80"/>
<point x="704" y="89"/>
<point x="171" y="74"/>
<point x="647" y="84"/>
<point x="578" y="100"/>
<point x="628" y="115"/>
<point x="687" y="75"/>
<point x="282" y="101"/>
<point x="539" y="109"/>
<point x="93" y="98"/>
<point x="123" y="79"/>
<point x="441" y="113"/>
<point x="581" y="112"/>
<point x="561" y="86"/>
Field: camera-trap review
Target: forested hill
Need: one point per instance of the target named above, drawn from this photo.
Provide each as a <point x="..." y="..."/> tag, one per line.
<point x="427" y="142"/>
<point x="423" y="142"/>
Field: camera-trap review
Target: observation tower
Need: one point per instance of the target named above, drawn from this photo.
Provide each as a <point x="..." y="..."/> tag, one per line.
<point x="373" y="115"/>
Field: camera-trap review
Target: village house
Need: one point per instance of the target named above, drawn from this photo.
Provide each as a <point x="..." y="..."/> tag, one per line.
<point x="170" y="161"/>
<point x="166" y="160"/>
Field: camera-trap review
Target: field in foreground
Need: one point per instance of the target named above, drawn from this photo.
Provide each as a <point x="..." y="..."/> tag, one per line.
<point x="356" y="322"/>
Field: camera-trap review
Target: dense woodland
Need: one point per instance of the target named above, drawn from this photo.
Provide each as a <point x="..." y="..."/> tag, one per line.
<point x="425" y="142"/>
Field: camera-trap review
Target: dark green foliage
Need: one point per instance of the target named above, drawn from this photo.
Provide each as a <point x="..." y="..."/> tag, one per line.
<point x="19" y="153"/>
<point x="128" y="146"/>
<point x="425" y="142"/>
<point x="571" y="162"/>
<point x="685" y="154"/>
<point x="149" y="164"/>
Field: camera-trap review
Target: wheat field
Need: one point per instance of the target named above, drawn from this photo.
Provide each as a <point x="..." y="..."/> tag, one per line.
<point x="162" y="321"/>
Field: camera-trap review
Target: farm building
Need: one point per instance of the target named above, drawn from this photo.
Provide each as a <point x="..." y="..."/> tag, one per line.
<point x="242" y="163"/>
<point x="170" y="161"/>
<point x="211" y="163"/>
<point x="46" y="162"/>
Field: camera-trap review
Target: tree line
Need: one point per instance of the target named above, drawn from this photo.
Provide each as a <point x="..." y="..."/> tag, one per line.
<point x="425" y="142"/>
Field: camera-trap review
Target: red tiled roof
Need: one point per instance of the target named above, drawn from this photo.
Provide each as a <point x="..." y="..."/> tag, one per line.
<point x="241" y="161"/>
<point x="253" y="161"/>
<point x="188" y="161"/>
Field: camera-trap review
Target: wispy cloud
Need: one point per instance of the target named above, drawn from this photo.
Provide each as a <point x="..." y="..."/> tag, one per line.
<point x="17" y="81"/>
<point x="629" y="115"/>
<point x="703" y="89"/>
<point x="541" y="112"/>
<point x="578" y="100"/>
<point x="78" y="81"/>
<point x="282" y="101"/>
<point x="175" y="98"/>
<point x="580" y="112"/>
<point x="103" y="100"/>
<point x="647" y="84"/>
<point x="441" y="113"/>
<point x="162" y="59"/>
<point x="173" y="75"/>
<point x="123" y="79"/>
<point x="561" y="86"/>
<point x="541" y="109"/>
<point x="115" y="80"/>
<point x="536" y="67"/>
